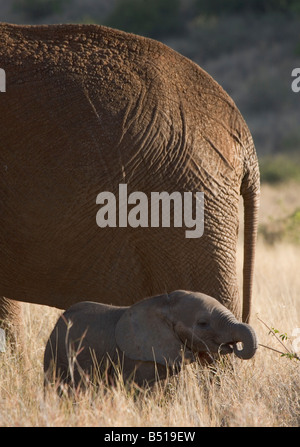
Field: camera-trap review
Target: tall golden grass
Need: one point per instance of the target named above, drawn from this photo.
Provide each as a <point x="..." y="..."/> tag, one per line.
<point x="264" y="391"/>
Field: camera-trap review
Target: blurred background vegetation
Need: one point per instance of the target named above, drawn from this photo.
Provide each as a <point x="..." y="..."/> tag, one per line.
<point x="249" y="46"/>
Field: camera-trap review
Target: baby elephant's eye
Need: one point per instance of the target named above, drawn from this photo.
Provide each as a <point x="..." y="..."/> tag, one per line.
<point x="202" y="324"/>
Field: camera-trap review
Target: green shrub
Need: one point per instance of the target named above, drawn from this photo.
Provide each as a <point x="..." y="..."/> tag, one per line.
<point x="216" y="7"/>
<point x="150" y="18"/>
<point x="36" y="9"/>
<point x="286" y="229"/>
<point x="277" y="169"/>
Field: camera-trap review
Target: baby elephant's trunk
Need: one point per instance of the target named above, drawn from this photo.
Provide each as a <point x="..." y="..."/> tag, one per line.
<point x="244" y="334"/>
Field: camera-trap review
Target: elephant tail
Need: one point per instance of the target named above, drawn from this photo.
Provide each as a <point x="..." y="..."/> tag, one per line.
<point x="250" y="191"/>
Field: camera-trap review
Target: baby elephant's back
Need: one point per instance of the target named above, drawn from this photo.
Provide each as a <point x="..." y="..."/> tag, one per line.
<point x="83" y="334"/>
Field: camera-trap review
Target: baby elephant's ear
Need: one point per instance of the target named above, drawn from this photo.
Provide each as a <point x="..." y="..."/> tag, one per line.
<point x="145" y="332"/>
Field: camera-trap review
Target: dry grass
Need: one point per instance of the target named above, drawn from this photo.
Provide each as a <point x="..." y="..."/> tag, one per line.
<point x="264" y="391"/>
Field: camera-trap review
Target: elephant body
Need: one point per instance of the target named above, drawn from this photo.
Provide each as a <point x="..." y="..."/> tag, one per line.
<point x="86" y="109"/>
<point x="143" y="342"/>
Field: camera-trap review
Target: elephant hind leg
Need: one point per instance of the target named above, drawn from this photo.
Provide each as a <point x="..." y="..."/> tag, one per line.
<point x="10" y="323"/>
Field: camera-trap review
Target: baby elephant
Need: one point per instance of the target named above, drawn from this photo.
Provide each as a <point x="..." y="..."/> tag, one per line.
<point x="146" y="341"/>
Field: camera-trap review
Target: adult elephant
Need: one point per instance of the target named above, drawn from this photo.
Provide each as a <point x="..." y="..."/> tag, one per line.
<point x="87" y="108"/>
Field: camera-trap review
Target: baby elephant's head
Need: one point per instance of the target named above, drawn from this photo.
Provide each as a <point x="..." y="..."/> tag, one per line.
<point x="164" y="327"/>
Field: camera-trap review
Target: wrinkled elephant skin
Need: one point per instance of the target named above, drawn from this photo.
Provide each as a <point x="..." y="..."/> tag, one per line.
<point x="88" y="108"/>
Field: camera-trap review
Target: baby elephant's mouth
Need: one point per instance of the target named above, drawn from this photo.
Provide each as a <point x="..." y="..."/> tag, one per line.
<point x="199" y="347"/>
<point x="226" y="348"/>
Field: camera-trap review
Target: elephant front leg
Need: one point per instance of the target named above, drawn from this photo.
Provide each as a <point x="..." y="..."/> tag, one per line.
<point x="10" y="323"/>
